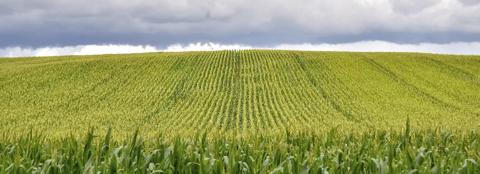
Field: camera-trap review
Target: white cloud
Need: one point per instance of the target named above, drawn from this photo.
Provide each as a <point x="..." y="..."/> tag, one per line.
<point x="75" y="50"/>
<point x="363" y="46"/>
<point x="205" y="47"/>
<point x="382" y="46"/>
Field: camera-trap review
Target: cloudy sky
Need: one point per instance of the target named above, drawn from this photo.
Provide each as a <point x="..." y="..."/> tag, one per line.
<point x="28" y="26"/>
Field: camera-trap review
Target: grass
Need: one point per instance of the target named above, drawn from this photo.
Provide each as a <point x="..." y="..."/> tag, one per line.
<point x="234" y="111"/>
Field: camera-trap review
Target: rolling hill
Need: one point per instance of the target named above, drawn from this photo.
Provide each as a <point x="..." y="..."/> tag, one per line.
<point x="250" y="111"/>
<point x="239" y="92"/>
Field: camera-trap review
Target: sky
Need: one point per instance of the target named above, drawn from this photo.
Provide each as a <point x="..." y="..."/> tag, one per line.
<point x="59" y="27"/>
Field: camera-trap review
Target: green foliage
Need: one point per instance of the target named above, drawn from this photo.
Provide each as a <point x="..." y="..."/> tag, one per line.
<point x="251" y="111"/>
<point x="375" y="152"/>
<point x="237" y="93"/>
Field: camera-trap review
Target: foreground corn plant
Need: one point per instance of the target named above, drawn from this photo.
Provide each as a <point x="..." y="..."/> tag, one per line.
<point x="432" y="151"/>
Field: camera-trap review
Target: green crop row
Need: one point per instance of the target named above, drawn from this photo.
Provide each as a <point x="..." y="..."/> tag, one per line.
<point x="238" y="92"/>
<point x="432" y="151"/>
<point x="249" y="111"/>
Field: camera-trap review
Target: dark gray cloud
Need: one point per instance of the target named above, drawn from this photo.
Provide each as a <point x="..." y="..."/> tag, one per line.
<point x="470" y="2"/>
<point x="39" y="23"/>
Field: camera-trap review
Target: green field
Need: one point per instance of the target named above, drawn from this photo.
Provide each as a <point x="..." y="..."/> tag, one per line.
<point x="258" y="97"/>
<point x="239" y="91"/>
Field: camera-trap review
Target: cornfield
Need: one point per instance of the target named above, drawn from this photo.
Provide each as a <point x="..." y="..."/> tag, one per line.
<point x="249" y="111"/>
<point x="431" y="151"/>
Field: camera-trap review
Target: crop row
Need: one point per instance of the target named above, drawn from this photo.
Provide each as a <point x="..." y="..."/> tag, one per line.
<point x="239" y="92"/>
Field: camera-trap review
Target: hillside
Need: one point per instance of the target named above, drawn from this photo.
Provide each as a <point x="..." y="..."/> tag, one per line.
<point x="241" y="112"/>
<point x="239" y="92"/>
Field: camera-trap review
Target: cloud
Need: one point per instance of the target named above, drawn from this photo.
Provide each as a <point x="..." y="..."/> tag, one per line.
<point x="382" y="46"/>
<point x="75" y="50"/>
<point x="164" y="22"/>
<point x="205" y="47"/>
<point x="466" y="48"/>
